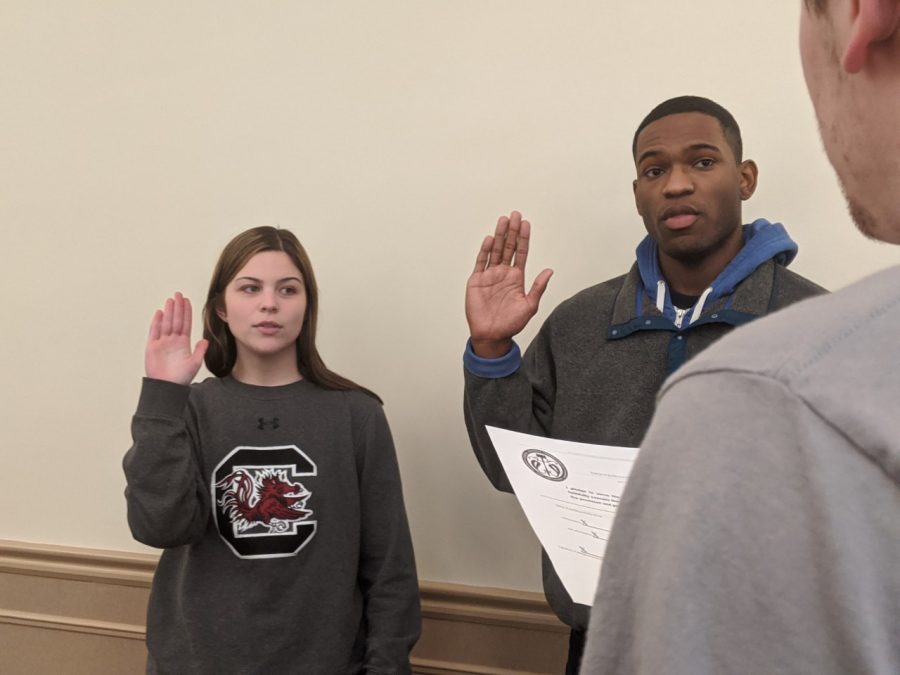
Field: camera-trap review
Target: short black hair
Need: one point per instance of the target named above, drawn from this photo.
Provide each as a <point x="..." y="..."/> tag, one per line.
<point x="689" y="104"/>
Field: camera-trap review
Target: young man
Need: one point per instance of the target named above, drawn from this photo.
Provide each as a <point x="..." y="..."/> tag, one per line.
<point x="594" y="369"/>
<point x="765" y="537"/>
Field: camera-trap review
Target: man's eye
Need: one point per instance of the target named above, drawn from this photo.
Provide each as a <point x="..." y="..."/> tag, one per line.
<point x="705" y="163"/>
<point x="653" y="172"/>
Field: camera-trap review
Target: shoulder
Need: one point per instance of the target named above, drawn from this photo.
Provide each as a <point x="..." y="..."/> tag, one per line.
<point x="361" y="406"/>
<point x="800" y="336"/>
<point x="360" y="400"/>
<point x="835" y="352"/>
<point x="793" y="287"/>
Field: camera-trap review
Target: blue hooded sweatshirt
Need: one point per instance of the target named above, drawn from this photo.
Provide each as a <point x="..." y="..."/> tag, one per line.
<point x="762" y="241"/>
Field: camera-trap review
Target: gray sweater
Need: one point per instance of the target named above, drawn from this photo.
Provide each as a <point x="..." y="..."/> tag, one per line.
<point x="760" y="528"/>
<point x="286" y="542"/>
<point x="592" y="373"/>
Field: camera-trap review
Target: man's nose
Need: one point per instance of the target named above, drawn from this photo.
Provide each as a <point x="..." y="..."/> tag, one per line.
<point x="678" y="182"/>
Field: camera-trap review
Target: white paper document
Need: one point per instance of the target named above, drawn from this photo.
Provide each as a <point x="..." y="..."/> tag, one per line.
<point x="569" y="492"/>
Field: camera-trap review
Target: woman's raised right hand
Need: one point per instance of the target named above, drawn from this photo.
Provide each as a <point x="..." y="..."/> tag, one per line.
<point x="169" y="356"/>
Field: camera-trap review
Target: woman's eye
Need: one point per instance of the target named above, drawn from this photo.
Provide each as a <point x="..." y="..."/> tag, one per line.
<point x="248" y="288"/>
<point x="290" y="290"/>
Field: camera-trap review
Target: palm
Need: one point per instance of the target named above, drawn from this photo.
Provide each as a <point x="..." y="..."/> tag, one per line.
<point x="169" y="355"/>
<point x="497" y="306"/>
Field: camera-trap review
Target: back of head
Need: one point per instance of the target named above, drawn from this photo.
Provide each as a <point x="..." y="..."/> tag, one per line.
<point x="695" y="104"/>
<point x="851" y="60"/>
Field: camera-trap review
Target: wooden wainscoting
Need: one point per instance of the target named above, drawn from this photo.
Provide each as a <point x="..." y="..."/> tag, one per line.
<point x="78" y="611"/>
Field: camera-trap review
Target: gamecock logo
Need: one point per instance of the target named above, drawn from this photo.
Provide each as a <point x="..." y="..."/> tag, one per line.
<point x="259" y="503"/>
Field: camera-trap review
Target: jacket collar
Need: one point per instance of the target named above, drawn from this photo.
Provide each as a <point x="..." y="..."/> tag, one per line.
<point x="750" y="300"/>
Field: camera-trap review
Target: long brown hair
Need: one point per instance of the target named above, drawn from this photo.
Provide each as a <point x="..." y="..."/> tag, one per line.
<point x="222" y="353"/>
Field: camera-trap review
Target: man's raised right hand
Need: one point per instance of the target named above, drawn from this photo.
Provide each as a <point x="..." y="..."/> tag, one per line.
<point x="497" y="307"/>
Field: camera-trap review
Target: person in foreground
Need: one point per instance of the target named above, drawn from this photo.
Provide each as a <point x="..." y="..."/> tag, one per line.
<point x="273" y="487"/>
<point x="760" y="528"/>
<point x="593" y="371"/>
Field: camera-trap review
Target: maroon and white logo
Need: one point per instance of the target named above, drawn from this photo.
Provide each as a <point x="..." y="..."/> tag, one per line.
<point x="260" y="506"/>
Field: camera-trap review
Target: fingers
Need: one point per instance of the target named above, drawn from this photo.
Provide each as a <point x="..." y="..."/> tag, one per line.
<point x="481" y="261"/>
<point x="168" y="312"/>
<point x="522" y="245"/>
<point x="156" y="324"/>
<point x="187" y="318"/>
<point x="178" y="314"/>
<point x="510" y="243"/>
<point x="175" y="318"/>
<point x="512" y="236"/>
<point x="499" y="239"/>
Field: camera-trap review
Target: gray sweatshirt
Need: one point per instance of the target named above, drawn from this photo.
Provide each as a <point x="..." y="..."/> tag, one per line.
<point x="286" y="542"/>
<point x="760" y="529"/>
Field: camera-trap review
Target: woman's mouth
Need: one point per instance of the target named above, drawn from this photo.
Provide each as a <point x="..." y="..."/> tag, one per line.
<point x="267" y="327"/>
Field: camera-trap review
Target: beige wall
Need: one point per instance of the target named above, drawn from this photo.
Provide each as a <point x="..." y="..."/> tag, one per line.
<point x="137" y="138"/>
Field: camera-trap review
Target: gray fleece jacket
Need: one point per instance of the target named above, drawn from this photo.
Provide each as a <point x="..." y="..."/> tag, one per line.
<point x="592" y="373"/>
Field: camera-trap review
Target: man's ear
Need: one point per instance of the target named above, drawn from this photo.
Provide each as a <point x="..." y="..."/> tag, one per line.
<point x="872" y="22"/>
<point x="749" y="178"/>
<point x="636" y="204"/>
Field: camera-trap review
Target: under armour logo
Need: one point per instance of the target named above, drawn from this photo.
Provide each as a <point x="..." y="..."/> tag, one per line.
<point x="267" y="422"/>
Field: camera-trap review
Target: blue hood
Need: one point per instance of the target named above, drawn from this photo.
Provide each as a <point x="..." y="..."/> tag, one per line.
<point x="762" y="241"/>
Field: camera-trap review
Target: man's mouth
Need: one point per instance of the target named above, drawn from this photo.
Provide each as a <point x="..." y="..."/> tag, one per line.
<point x="679" y="217"/>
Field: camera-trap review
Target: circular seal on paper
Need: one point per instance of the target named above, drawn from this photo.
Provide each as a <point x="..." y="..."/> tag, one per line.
<point x="545" y="465"/>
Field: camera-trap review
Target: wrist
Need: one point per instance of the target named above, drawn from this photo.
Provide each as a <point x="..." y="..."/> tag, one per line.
<point x="183" y="379"/>
<point x="491" y="349"/>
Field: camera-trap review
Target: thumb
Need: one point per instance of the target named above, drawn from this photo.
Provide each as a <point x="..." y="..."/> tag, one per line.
<point x="200" y="352"/>
<point x="539" y="286"/>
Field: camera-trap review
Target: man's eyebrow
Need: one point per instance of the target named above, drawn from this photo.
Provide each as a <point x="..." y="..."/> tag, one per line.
<point x="648" y="153"/>
<point x="693" y="146"/>
<point x="705" y="146"/>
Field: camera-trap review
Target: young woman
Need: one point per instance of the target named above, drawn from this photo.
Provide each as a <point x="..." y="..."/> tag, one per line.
<point x="273" y="487"/>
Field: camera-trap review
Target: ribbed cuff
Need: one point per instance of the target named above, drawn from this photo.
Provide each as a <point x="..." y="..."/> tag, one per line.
<point x="160" y="398"/>
<point x="492" y="368"/>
